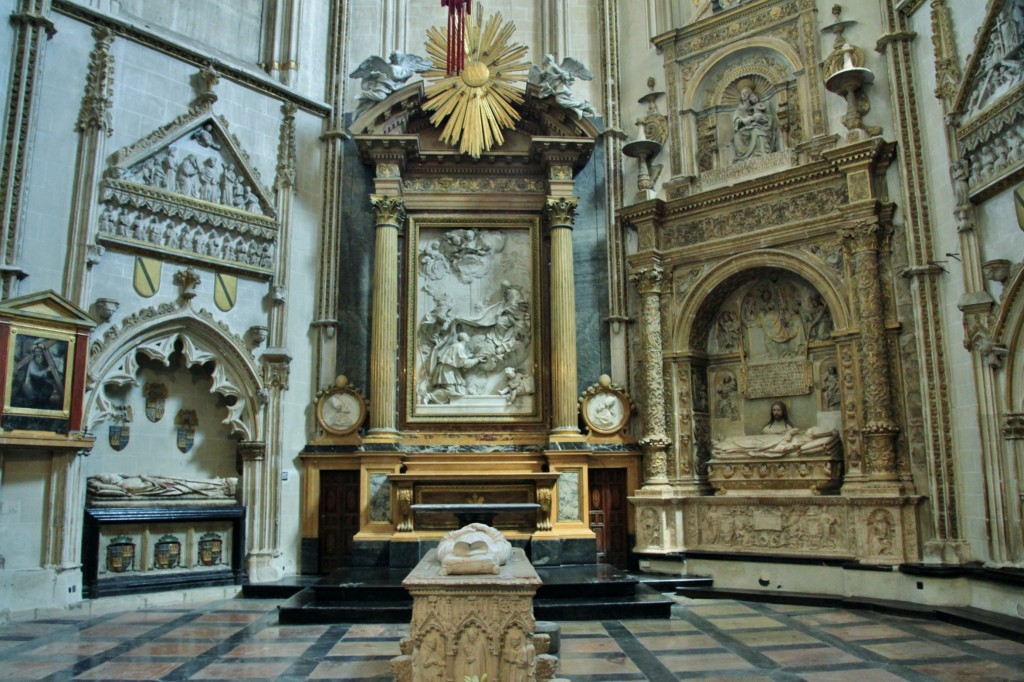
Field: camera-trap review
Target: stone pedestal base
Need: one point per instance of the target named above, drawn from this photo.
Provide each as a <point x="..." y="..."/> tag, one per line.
<point x="472" y="625"/>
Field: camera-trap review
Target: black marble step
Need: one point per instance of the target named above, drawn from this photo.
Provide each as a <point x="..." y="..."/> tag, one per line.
<point x="305" y="609"/>
<point x="644" y="602"/>
<point x="376" y="595"/>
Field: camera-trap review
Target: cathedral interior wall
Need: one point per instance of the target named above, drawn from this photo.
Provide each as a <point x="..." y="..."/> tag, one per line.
<point x="970" y="478"/>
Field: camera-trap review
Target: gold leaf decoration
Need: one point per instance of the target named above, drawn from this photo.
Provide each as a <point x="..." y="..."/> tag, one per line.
<point x="476" y="104"/>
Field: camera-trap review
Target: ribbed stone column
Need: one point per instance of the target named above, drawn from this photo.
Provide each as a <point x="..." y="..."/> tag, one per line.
<point x="32" y="27"/>
<point x="390" y="213"/>
<point x="560" y="212"/>
<point x="880" y="428"/>
<point x="655" y="442"/>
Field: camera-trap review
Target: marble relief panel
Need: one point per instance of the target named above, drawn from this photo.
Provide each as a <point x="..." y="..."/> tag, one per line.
<point x="474" y="343"/>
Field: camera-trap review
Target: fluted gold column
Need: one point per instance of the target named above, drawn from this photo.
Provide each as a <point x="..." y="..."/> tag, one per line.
<point x="390" y="212"/>
<point x="655" y="442"/>
<point x="880" y="428"/>
<point x="560" y="212"/>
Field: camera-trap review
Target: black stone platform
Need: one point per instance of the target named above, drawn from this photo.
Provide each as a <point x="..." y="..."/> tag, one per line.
<point x="376" y="595"/>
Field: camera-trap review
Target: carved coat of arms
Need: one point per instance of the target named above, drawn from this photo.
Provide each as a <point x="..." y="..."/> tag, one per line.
<point x="120" y="427"/>
<point x="187" y="421"/>
<point x="156" y="396"/>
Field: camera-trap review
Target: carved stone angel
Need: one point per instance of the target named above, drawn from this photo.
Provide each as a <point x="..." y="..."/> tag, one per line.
<point x="381" y="78"/>
<point x="556" y="81"/>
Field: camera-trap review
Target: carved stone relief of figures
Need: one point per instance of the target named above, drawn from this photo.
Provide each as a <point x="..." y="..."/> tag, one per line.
<point x="700" y="390"/>
<point x="197" y="166"/>
<point x="649" y="528"/>
<point x="727" y="328"/>
<point x="771" y="313"/>
<point x="881" y="533"/>
<point x="474" y="345"/>
<point x="830" y="395"/>
<point x="725" y="392"/>
<point x="1000" y="66"/>
<point x="472" y="659"/>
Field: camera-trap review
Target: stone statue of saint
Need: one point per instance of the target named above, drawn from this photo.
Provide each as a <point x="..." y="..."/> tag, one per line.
<point x="778" y="438"/>
<point x="753" y="127"/>
<point x="380" y="78"/>
<point x="517" y="657"/>
<point x="471" y="661"/>
<point x="476" y="549"/>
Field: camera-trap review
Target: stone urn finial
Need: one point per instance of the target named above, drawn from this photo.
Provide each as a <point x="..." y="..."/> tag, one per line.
<point x="188" y="281"/>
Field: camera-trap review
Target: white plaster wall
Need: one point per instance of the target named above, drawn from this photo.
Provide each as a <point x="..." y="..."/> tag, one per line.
<point x="51" y="172"/>
<point x="229" y="26"/>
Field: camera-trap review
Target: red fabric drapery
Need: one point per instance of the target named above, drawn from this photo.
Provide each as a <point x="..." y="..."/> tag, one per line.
<point x="457" y="11"/>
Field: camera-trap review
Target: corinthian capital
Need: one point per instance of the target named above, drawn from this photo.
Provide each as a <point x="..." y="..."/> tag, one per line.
<point x="648" y="280"/>
<point x="560" y="211"/>
<point x="867" y="235"/>
<point x="389" y="210"/>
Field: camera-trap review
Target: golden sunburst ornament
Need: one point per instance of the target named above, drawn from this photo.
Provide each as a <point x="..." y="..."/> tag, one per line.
<point x="477" y="102"/>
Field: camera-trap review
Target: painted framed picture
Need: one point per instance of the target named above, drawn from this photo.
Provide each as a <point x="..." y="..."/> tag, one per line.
<point x="40" y="365"/>
<point x="474" y="320"/>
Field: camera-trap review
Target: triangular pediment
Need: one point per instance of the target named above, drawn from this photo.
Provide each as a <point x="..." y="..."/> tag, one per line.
<point x="188" y="192"/>
<point x="994" y="68"/>
<point x="194" y="158"/>
<point x="47" y="306"/>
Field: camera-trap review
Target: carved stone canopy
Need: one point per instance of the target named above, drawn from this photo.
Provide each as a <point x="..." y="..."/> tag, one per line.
<point x="544" y="127"/>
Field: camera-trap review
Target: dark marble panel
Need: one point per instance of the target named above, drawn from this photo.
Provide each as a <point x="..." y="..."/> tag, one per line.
<point x="309" y="556"/>
<point x="579" y="551"/>
<point x="404" y="554"/>
<point x="355" y="265"/>
<point x="370" y="553"/>
<point x="546" y="552"/>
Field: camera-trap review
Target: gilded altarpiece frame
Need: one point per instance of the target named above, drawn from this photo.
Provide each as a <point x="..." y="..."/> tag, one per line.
<point x="474" y="320"/>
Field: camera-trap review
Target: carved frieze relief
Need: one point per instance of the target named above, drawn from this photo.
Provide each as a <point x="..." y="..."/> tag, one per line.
<point x="189" y="191"/>
<point x="820" y="201"/>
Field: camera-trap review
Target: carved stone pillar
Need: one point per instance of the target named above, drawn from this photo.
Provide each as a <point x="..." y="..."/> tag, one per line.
<point x="257" y="501"/>
<point x="94" y="127"/>
<point x="655" y="442"/>
<point x="332" y="187"/>
<point x="66" y="514"/>
<point x="390" y="212"/>
<point x="865" y="242"/>
<point x="284" y="184"/>
<point x="564" y="422"/>
<point x="32" y="28"/>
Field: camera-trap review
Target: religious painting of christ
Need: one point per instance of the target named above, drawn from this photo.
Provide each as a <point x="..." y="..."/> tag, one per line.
<point x="38" y="373"/>
<point x="474" y="322"/>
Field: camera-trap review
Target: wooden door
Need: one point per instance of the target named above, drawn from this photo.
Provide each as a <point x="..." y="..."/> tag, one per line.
<point x="608" y="517"/>
<point x="339" y="517"/>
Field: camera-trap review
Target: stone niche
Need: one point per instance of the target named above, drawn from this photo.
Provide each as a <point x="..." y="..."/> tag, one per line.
<point x="771" y="392"/>
<point x="747" y="83"/>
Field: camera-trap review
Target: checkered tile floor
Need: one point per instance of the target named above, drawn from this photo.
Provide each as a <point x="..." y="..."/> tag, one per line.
<point x="705" y="640"/>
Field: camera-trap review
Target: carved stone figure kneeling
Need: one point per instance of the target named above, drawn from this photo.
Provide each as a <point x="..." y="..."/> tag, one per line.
<point x="476" y="549"/>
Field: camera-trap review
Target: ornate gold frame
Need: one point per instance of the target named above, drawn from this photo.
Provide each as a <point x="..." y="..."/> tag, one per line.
<point x="17" y="351"/>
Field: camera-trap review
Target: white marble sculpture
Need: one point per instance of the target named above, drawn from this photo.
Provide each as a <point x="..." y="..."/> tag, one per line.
<point x="555" y="80"/>
<point x="778" y="438"/>
<point x="476" y="549"/>
<point x="380" y="78"/>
